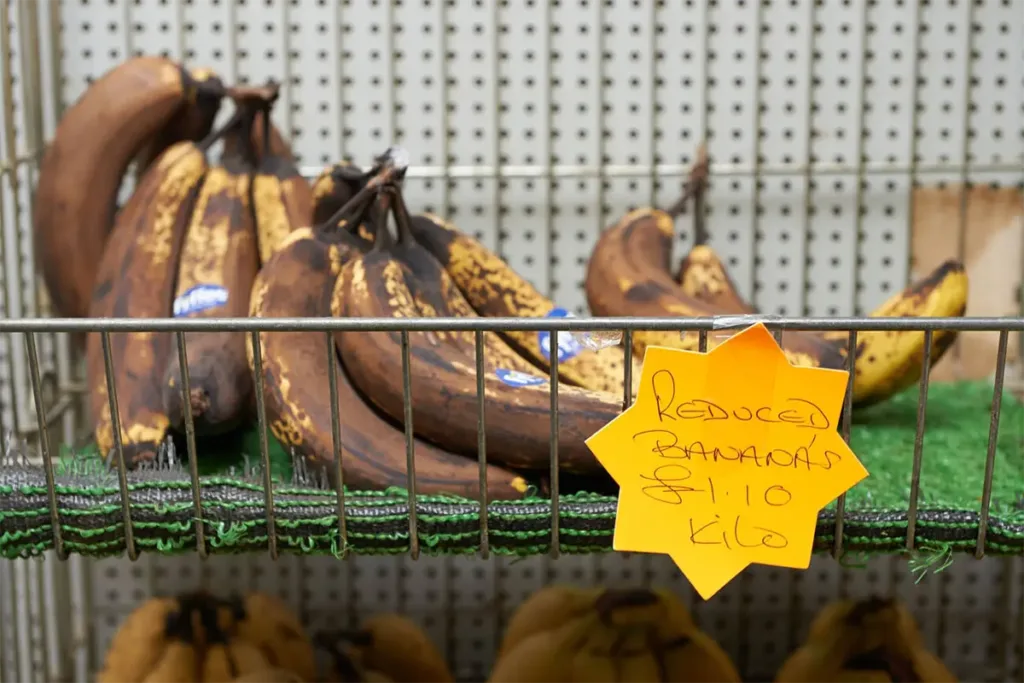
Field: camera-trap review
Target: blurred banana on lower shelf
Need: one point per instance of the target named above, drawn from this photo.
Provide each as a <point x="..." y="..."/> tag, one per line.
<point x="607" y="635"/>
<point x="863" y="640"/>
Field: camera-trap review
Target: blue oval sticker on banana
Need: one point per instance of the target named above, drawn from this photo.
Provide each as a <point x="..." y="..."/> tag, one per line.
<point x="514" y="378"/>
<point x="198" y="299"/>
<point x="568" y="346"/>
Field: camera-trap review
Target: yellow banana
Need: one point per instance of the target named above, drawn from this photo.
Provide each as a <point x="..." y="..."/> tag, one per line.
<point x="874" y="636"/>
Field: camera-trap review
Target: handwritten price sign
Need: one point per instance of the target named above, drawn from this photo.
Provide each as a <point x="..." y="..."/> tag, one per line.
<point x="726" y="458"/>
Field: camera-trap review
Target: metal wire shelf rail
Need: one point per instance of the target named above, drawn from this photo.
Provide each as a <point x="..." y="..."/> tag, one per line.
<point x="29" y="328"/>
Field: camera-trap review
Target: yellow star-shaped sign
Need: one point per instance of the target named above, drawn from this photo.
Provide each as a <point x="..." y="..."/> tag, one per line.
<point x="726" y="458"/>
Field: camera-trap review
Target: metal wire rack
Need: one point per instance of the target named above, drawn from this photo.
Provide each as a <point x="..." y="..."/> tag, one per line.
<point x="535" y="124"/>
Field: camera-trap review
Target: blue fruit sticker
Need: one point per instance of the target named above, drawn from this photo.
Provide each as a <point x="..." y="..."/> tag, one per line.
<point x="514" y="378"/>
<point x="568" y="346"/>
<point x="199" y="298"/>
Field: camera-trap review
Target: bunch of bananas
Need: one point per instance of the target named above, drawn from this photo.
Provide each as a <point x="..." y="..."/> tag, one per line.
<point x="563" y="633"/>
<point x="863" y="640"/>
<point x="630" y="274"/>
<point x="200" y="638"/>
<point x="187" y="243"/>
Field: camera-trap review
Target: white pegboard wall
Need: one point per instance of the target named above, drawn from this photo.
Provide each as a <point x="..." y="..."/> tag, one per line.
<point x="596" y="84"/>
<point x="773" y="86"/>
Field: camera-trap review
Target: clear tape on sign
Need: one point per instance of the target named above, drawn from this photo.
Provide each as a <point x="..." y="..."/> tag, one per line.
<point x="568" y="345"/>
<point x="595" y="340"/>
<point x="199" y="298"/>
<point x="514" y="378"/>
<point x="725" y="326"/>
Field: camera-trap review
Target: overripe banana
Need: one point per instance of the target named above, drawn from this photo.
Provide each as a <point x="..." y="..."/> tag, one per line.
<point x="227" y="656"/>
<point x="136" y="279"/>
<point x="443" y="382"/>
<point x="871" y="639"/>
<point x="436" y="295"/>
<point x="611" y="635"/>
<point x="192" y="122"/>
<point x="885" y="362"/>
<point x="281" y="198"/>
<point x="140" y="101"/>
<point x="218" y="265"/>
<point x="395" y="647"/>
<point x="492" y="288"/>
<point x="298" y="281"/>
<point x="628" y="274"/>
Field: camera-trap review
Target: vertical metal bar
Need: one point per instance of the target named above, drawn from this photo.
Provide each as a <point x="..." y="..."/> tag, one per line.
<point x="961" y="235"/>
<point x="993" y="440"/>
<point x="128" y="43"/>
<point x="915" y="134"/>
<point x="446" y="118"/>
<point x="702" y="341"/>
<point x="922" y="406"/>
<point x="777" y="334"/>
<point x="847" y="420"/>
<point x="812" y="60"/>
<point x="336" y="448"/>
<point x="179" y="18"/>
<point x="190" y="446"/>
<point x="32" y="104"/>
<point x="339" y="27"/>
<point x="858" y="224"/>
<point x="32" y="81"/>
<point x="653" y="107"/>
<point x="392" y="115"/>
<point x="602" y="119"/>
<point x="261" y="422"/>
<point x="553" y="392"/>
<point x="55" y="56"/>
<point x="233" y="42"/>
<point x="286" y="31"/>
<point x="499" y="240"/>
<point x="481" y="442"/>
<point x="965" y="163"/>
<point x="80" y="631"/>
<point x="122" y="470"/>
<point x="627" y="368"/>
<point x="755" y="214"/>
<point x="410" y="447"/>
<point x="44" y="444"/>
<point x="549" y="148"/>
<point x="11" y="291"/>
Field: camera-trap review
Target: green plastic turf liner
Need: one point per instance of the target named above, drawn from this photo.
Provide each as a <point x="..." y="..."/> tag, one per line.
<point x="234" y="516"/>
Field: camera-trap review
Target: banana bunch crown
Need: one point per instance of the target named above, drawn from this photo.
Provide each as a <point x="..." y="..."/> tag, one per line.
<point x="564" y="633"/>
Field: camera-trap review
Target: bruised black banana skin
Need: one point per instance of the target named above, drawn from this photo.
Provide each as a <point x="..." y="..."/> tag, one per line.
<point x="444" y="383"/>
<point x="220" y="251"/>
<point x="135" y="278"/>
<point x="298" y="281"/>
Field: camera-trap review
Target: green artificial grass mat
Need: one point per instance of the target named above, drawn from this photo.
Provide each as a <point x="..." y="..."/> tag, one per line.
<point x="234" y="512"/>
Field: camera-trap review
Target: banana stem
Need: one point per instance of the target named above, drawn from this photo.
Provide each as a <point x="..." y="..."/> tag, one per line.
<point x="694" y="188"/>
<point x="382" y="240"/>
<point x="355" y="208"/>
<point x="401" y="213"/>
